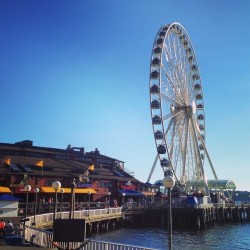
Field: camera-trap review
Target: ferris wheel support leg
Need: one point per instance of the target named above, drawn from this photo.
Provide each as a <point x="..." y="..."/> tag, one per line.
<point x="209" y="160"/>
<point x="153" y="168"/>
<point x="185" y="148"/>
<point x="206" y="152"/>
<point x="199" y="157"/>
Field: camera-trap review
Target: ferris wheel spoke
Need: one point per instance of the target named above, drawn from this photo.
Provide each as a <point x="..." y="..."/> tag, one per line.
<point x="185" y="74"/>
<point x="173" y="66"/>
<point x="174" y="88"/>
<point x="176" y="124"/>
<point x="178" y="148"/>
<point x="191" y="92"/>
<point x="170" y="100"/>
<point x="179" y="65"/>
<point x="185" y="77"/>
<point x="176" y="159"/>
<point x="172" y="115"/>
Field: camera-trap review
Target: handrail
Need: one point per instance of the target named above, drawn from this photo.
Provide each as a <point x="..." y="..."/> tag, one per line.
<point x="44" y="239"/>
<point x="45" y="219"/>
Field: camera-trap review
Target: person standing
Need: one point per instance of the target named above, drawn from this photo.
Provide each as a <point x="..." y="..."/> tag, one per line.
<point x="2" y="226"/>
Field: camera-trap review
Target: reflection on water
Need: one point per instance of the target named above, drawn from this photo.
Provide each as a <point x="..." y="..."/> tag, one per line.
<point x="227" y="236"/>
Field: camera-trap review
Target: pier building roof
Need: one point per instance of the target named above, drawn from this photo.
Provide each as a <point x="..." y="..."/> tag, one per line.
<point x="212" y="184"/>
<point x="22" y="163"/>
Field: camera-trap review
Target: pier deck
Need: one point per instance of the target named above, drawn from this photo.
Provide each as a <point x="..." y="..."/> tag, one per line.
<point x="198" y="216"/>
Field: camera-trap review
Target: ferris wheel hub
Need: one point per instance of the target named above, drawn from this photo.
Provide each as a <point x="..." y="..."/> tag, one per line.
<point x="193" y="107"/>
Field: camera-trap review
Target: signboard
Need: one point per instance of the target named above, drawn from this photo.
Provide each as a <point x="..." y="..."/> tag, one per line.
<point x="131" y="187"/>
<point x="69" y="230"/>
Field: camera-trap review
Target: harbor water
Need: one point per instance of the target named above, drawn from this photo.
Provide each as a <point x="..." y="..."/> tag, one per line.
<point x="226" y="237"/>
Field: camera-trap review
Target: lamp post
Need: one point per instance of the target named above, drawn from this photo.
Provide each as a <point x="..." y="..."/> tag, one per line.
<point x="169" y="183"/>
<point x="72" y="200"/>
<point x="36" y="191"/>
<point x="61" y="204"/>
<point x="56" y="185"/>
<point x="109" y="193"/>
<point x="123" y="198"/>
<point x="237" y="202"/>
<point x="89" y="193"/>
<point x="27" y="189"/>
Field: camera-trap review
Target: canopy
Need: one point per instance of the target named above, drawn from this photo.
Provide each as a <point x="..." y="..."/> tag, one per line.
<point x="8" y="197"/>
<point x="128" y="192"/>
<point x="85" y="191"/>
<point x="4" y="190"/>
<point x="221" y="184"/>
<point x="68" y="190"/>
<point x="148" y="193"/>
<point x="212" y="184"/>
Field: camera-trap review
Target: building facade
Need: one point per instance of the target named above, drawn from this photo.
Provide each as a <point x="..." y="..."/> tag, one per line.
<point x="94" y="174"/>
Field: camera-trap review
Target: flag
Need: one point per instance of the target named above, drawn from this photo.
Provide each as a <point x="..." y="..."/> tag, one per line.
<point x="92" y="167"/>
<point x="7" y="161"/>
<point x="39" y="164"/>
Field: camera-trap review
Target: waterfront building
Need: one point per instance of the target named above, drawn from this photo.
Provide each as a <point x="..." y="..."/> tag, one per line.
<point x="97" y="177"/>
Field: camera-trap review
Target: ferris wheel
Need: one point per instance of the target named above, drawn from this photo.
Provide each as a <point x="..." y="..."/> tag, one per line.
<point x="177" y="106"/>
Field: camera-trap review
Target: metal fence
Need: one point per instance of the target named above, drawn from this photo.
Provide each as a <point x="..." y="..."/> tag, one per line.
<point x="43" y="218"/>
<point x="43" y="238"/>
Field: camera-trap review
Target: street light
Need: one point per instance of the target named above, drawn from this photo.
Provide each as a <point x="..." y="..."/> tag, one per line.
<point x="27" y="189"/>
<point x="109" y="193"/>
<point x="72" y="200"/>
<point x="36" y="191"/>
<point x="56" y="185"/>
<point x="237" y="201"/>
<point x="123" y="198"/>
<point x="62" y="192"/>
<point x="169" y="183"/>
<point x="89" y="193"/>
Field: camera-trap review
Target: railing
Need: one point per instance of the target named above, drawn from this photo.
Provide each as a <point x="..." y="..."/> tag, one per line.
<point x="43" y="238"/>
<point x="47" y="207"/>
<point x="43" y="218"/>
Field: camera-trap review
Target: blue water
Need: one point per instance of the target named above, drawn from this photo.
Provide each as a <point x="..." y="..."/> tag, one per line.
<point x="226" y="237"/>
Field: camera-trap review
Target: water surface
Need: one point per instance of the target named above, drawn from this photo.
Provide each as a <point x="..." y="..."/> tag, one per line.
<point x="226" y="236"/>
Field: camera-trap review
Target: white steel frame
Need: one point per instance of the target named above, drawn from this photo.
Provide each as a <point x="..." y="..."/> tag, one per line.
<point x="178" y="104"/>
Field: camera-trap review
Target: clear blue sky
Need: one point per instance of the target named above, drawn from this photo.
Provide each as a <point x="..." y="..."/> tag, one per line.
<point x="77" y="72"/>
